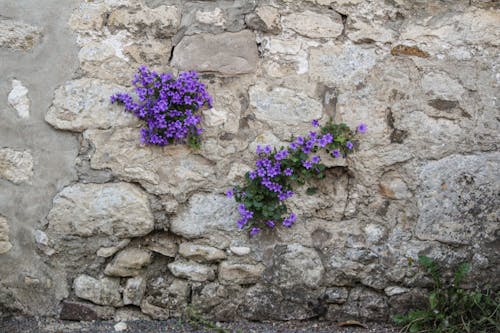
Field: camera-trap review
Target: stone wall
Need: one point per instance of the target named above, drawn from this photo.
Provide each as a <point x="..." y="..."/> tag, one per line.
<point x="95" y="225"/>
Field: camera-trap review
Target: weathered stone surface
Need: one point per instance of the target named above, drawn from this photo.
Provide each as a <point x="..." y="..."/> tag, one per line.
<point x="458" y="198"/>
<point x="16" y="166"/>
<point x="88" y="16"/>
<point x="315" y="25"/>
<point x="84" y="103"/>
<point x="240" y="250"/>
<point x="201" y="253"/>
<point x="129" y="314"/>
<point x="191" y="270"/>
<point x="265" y="19"/>
<point x="162" y="243"/>
<point x="109" y="251"/>
<point x="19" y="100"/>
<point x="18" y="35"/>
<point x="283" y="105"/>
<point x="105" y="291"/>
<point x="215" y="17"/>
<point x="365" y="303"/>
<point x="222" y="301"/>
<point x="154" y="311"/>
<point x="170" y="170"/>
<point x="128" y="262"/>
<point x="394" y="187"/>
<point x="118" y="209"/>
<point x="226" y="53"/>
<point x="295" y="265"/>
<point x="206" y="214"/>
<point x="5" y="245"/>
<point x="240" y="273"/>
<point x="167" y="296"/>
<point x="336" y="295"/>
<point x="134" y="291"/>
<point x="161" y="22"/>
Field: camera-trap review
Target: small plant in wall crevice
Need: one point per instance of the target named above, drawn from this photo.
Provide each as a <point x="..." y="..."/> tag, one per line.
<point x="169" y="106"/>
<point x="277" y="171"/>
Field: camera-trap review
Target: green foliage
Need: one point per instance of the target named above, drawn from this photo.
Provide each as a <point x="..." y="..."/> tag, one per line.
<point x="452" y="309"/>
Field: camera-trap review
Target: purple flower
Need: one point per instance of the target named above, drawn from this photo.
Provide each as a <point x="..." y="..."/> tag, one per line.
<point x="362" y="128"/>
<point x="349" y="145"/>
<point x="315" y="159"/>
<point x="307" y="164"/>
<point x="315" y="123"/>
<point x="259" y="149"/>
<point x="288" y="172"/>
<point x="287" y="222"/>
<point x="267" y="150"/>
<point x="281" y="154"/>
<point x="336" y="153"/>
<point x="270" y="224"/>
<point x="254" y="231"/>
<point x="229" y="193"/>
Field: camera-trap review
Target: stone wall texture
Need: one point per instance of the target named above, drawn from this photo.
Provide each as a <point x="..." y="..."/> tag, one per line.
<point x="93" y="222"/>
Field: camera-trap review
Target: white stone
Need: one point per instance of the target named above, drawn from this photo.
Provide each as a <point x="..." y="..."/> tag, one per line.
<point x="191" y="271"/>
<point x="240" y="273"/>
<point x="315" y="25"/>
<point x="240" y="250"/>
<point x="19" y="100"/>
<point x="134" y="291"/>
<point x="215" y="17"/>
<point x="120" y="327"/>
<point x="16" y="166"/>
<point x="105" y="291"/>
<point x="128" y="262"/>
<point x="5" y="245"/>
<point x="200" y="253"/>
<point x="440" y="85"/>
<point x="395" y="290"/>
<point x="283" y="105"/>
<point x="213" y="117"/>
<point x="118" y="209"/>
<point x="85" y="103"/>
<point x="206" y="214"/>
<point x="107" y="252"/>
<point x="18" y="35"/>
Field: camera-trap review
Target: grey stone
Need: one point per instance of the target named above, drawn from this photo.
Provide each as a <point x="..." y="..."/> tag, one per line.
<point x="191" y="270"/>
<point x="105" y="291"/>
<point x="85" y="103"/>
<point x="162" y="243"/>
<point x="153" y="311"/>
<point x="458" y="198"/>
<point x="240" y="250"/>
<point x="364" y="303"/>
<point x="161" y="22"/>
<point x="336" y="295"/>
<point x="134" y="291"/>
<point x="295" y="265"/>
<point x="128" y="262"/>
<point x="16" y="166"/>
<point x="240" y="273"/>
<point x="265" y="19"/>
<point x="119" y="209"/>
<point x="19" y="100"/>
<point x="5" y="245"/>
<point x="106" y="252"/>
<point x="18" y="35"/>
<point x="201" y="253"/>
<point x="315" y="25"/>
<point x="80" y="311"/>
<point x="283" y="105"/>
<point x="226" y="53"/>
<point x="206" y="214"/>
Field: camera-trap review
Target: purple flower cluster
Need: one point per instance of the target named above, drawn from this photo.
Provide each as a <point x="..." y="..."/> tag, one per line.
<point x="246" y="215"/>
<point x="169" y="106"/>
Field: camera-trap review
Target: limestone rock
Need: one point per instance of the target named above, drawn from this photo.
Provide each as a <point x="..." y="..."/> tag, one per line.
<point x="191" y="270"/>
<point x="162" y="243"/>
<point x="129" y="314"/>
<point x="222" y="301"/>
<point x="240" y="273"/>
<point x="5" y="245"/>
<point x="394" y="187"/>
<point x="105" y="291"/>
<point x="18" y="35"/>
<point x="315" y="25"/>
<point x="88" y="17"/>
<point x="226" y="53"/>
<point x="80" y="311"/>
<point x="365" y="303"/>
<point x="119" y="209"/>
<point x="283" y="105"/>
<point x="265" y="19"/>
<point x="111" y="250"/>
<point x="458" y="198"/>
<point x="162" y="21"/>
<point x="170" y="170"/>
<point x="336" y="295"/>
<point x="19" y="100"/>
<point x="201" y="253"/>
<point x="16" y="166"/>
<point x="295" y="265"/>
<point x="128" y="262"/>
<point x="206" y="214"/>
<point x="85" y="103"/>
<point x="120" y="327"/>
<point x="134" y="291"/>
<point x="154" y="311"/>
<point x="215" y="17"/>
<point x="240" y="250"/>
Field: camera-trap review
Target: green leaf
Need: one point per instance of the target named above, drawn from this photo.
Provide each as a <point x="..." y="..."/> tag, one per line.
<point x="433" y="300"/>
<point x="311" y="190"/>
